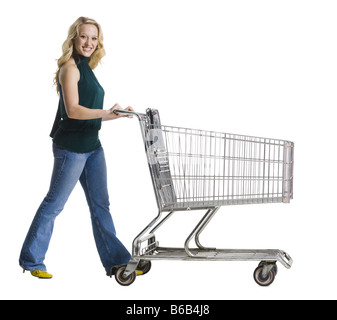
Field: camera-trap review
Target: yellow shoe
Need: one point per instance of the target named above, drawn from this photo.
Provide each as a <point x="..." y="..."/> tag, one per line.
<point x="41" y="274"/>
<point x="139" y="272"/>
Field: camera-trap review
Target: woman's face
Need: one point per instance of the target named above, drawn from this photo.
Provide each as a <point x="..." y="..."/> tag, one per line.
<point x="86" y="42"/>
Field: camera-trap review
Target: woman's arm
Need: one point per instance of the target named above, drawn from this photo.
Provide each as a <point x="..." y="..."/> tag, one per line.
<point x="69" y="76"/>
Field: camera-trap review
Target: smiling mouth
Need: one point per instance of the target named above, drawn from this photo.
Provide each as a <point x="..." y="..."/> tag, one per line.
<point x="87" y="49"/>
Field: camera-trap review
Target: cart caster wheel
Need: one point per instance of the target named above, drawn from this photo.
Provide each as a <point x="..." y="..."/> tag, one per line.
<point x="275" y="268"/>
<point x="124" y="280"/>
<point x="144" y="266"/>
<point x="264" y="281"/>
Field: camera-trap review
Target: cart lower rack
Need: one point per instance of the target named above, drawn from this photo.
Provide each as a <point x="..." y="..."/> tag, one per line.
<point x="204" y="170"/>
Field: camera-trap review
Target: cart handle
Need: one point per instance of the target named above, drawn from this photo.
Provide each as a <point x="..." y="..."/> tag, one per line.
<point x="127" y="112"/>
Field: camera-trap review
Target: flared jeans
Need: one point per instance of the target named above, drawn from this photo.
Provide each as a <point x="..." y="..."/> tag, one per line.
<point x="69" y="168"/>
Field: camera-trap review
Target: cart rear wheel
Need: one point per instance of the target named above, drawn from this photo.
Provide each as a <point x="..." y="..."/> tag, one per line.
<point x="122" y="279"/>
<point x="264" y="281"/>
<point x="144" y="266"/>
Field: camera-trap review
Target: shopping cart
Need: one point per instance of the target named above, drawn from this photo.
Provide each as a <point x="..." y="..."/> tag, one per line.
<point x="204" y="170"/>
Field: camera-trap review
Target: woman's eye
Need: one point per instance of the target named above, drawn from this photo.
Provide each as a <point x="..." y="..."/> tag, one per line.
<point x="95" y="39"/>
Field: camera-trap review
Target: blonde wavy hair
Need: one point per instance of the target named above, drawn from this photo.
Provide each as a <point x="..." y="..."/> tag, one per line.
<point x="69" y="52"/>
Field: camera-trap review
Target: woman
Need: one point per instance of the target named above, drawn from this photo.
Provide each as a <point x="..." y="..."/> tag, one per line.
<point x="78" y="154"/>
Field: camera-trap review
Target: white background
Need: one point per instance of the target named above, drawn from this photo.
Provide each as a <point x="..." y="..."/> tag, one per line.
<point x="263" y="68"/>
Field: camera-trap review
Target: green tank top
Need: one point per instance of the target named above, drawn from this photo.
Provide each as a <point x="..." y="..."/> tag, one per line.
<point x="80" y="136"/>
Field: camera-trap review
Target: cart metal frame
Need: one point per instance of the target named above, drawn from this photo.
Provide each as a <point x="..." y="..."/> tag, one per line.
<point x="204" y="170"/>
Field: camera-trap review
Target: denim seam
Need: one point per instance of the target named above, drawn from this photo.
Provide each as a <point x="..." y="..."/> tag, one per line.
<point x="50" y="194"/>
<point x="52" y="190"/>
<point x="94" y="215"/>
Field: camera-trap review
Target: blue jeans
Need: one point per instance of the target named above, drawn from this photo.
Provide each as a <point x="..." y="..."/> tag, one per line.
<point x="69" y="167"/>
